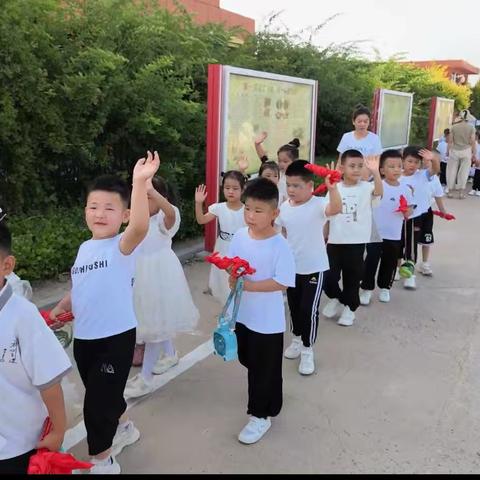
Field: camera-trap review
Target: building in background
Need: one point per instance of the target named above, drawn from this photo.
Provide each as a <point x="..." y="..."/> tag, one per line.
<point x="456" y="70"/>
<point x="209" y="11"/>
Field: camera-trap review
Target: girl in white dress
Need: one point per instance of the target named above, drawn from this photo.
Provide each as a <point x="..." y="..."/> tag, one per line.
<point x="286" y="154"/>
<point x="230" y="219"/>
<point x="162" y="299"/>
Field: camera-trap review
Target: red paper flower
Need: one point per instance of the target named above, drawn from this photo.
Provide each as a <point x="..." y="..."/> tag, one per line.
<point x="63" y="317"/>
<point x="446" y="216"/>
<point x="46" y="462"/>
<point x="403" y="205"/>
<point x="236" y="266"/>
<point x="319" y="171"/>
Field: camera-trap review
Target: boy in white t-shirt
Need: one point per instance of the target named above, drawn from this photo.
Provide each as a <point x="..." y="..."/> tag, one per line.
<point x="442" y="149"/>
<point x="302" y="218"/>
<point x="349" y="232"/>
<point x="418" y="181"/>
<point x="261" y="316"/>
<point x="32" y="364"/>
<point x="389" y="224"/>
<point x="101" y="300"/>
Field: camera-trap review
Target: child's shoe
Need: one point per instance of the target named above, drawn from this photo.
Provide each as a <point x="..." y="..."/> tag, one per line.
<point x="365" y="296"/>
<point x="384" y="295"/>
<point x="294" y="349"/>
<point x="254" y="430"/>
<point x="472" y="193"/>
<point x="332" y="308"/>
<point x="107" y="466"/>
<point x="126" y="434"/>
<point x="426" y="269"/>
<point x="137" y="387"/>
<point x="165" y="363"/>
<point x="307" y="363"/>
<point x="410" y="283"/>
<point x="347" y="317"/>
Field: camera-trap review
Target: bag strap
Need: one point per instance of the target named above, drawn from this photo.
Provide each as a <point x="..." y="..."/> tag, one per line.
<point x="235" y="296"/>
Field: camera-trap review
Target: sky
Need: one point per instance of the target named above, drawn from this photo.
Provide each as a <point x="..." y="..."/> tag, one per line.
<point x="419" y="29"/>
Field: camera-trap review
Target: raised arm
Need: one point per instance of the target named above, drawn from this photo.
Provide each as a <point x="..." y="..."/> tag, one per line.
<point x="163" y="204"/>
<point x="259" y="147"/>
<point x="433" y="159"/>
<point x="137" y="227"/>
<point x="372" y="163"/>
<point x="200" y="197"/>
<point x="334" y="206"/>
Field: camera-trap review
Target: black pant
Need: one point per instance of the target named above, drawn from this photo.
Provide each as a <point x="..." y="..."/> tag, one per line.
<point x="411" y="231"/>
<point x="303" y="301"/>
<point x="345" y="260"/>
<point x="16" y="465"/>
<point x="443" y="173"/>
<point x="385" y="253"/>
<point x="476" y="180"/>
<point x="104" y="365"/>
<point x="262" y="354"/>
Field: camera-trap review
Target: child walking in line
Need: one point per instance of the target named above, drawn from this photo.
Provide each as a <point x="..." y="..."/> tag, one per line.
<point x="417" y="225"/>
<point x="230" y="219"/>
<point x="442" y="149"/>
<point x="261" y="316"/>
<point x="389" y="224"/>
<point x="101" y="300"/>
<point x="303" y="217"/>
<point x="286" y="154"/>
<point x="349" y="232"/>
<point x="32" y="365"/>
<point x="162" y="299"/>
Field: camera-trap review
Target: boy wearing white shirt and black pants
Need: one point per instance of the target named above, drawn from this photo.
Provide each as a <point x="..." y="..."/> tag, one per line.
<point x="261" y="315"/>
<point x="32" y="364"/>
<point x="101" y="300"/>
<point x="303" y="217"/>
<point x="349" y="232"/>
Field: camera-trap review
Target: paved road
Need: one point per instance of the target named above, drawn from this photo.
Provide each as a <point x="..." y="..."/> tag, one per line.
<point x="399" y="392"/>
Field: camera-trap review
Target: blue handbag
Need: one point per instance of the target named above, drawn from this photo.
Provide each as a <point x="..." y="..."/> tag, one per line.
<point x="224" y="338"/>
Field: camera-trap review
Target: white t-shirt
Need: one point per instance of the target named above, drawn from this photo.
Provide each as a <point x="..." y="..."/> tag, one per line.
<point x="369" y="145"/>
<point x="419" y="184"/>
<point x="229" y="220"/>
<point x="436" y="189"/>
<point x="354" y="224"/>
<point x="304" y="226"/>
<point x="442" y="148"/>
<point x="158" y="236"/>
<point x="102" y="289"/>
<point x="264" y="312"/>
<point x="389" y="222"/>
<point x="31" y="360"/>
<point x="282" y="188"/>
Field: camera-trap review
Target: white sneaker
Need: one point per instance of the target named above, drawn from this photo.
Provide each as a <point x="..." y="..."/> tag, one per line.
<point x="446" y="190"/>
<point x="410" y="283"/>
<point x="107" y="466"/>
<point x="125" y="436"/>
<point x="365" y="296"/>
<point x="307" y="364"/>
<point x="397" y="275"/>
<point x="294" y="349"/>
<point x="332" y="308"/>
<point x="472" y="193"/>
<point x="426" y="269"/>
<point x="254" y="430"/>
<point x="477" y="193"/>
<point x="165" y="363"/>
<point x="137" y="387"/>
<point x="347" y="317"/>
<point x="384" y="295"/>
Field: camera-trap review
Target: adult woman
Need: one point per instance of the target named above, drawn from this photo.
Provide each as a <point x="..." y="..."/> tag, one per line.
<point x="462" y="150"/>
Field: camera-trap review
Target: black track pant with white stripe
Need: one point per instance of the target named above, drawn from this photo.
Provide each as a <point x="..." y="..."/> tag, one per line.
<point x="303" y="301"/>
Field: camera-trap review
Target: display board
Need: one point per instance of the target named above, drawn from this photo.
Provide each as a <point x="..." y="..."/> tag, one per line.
<point x="441" y="117"/>
<point x="243" y="103"/>
<point x="392" y="117"/>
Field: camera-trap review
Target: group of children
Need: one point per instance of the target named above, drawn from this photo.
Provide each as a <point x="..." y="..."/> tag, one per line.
<point x="297" y="243"/>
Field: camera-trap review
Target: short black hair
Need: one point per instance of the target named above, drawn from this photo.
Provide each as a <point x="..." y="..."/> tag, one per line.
<point x="5" y="239"/>
<point x="412" y="151"/>
<point x="269" y="165"/>
<point x="262" y="189"/>
<point x="446" y="132"/>
<point x="297" y="169"/>
<point x="291" y="149"/>
<point x="235" y="175"/>
<point x="391" y="153"/>
<point x="350" y="154"/>
<point x="113" y="184"/>
<point x="164" y="189"/>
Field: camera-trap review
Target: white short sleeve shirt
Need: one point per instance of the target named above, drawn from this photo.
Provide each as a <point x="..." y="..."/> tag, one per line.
<point x="369" y="145"/>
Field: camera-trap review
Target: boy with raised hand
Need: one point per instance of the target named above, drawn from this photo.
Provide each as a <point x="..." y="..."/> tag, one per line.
<point x="101" y="300"/>
<point x="32" y="364"/>
<point x="303" y="217"/>
<point x="261" y="316"/>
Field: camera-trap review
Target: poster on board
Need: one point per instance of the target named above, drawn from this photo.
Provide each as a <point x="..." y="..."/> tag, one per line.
<point x="441" y="117"/>
<point x="393" y="116"/>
